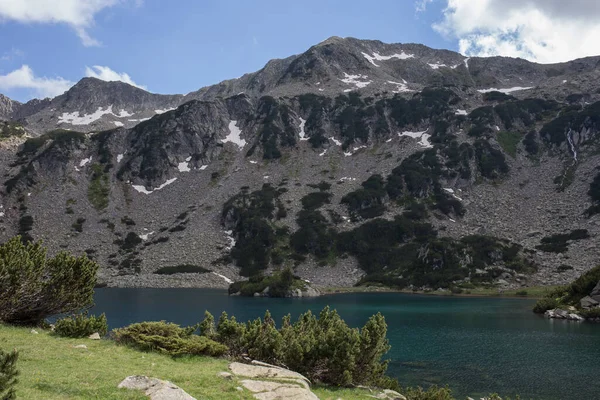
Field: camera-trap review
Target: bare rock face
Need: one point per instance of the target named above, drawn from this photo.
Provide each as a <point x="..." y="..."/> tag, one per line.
<point x="7" y="107"/>
<point x="155" y="389"/>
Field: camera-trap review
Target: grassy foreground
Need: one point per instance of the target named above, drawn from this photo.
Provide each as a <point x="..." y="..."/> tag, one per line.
<point x="52" y="368"/>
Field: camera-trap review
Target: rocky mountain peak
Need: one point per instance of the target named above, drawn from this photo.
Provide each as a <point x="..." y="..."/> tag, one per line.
<point x="7" y="107"/>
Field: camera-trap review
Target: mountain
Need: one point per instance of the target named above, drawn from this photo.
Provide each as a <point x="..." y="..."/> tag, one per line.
<point x="354" y="162"/>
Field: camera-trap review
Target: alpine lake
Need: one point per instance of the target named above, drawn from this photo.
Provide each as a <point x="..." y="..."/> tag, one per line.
<point x="475" y="345"/>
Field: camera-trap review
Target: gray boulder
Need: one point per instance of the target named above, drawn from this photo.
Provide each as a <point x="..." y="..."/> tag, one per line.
<point x="588" y="302"/>
<point x="155" y="389"/>
<point x="596" y="293"/>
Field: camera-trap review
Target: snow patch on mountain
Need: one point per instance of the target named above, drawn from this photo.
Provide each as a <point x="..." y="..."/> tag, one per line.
<point x="379" y="57"/>
<point x="422" y="136"/>
<point x="145" y="236"/>
<point x="505" y="91"/>
<point x="302" y="134"/>
<point x="164" y="111"/>
<point x="75" y="118"/>
<point x="436" y="65"/>
<point x="119" y="158"/>
<point x="226" y="279"/>
<point x="401" y="87"/>
<point x="142" y="189"/>
<point x="357" y="80"/>
<point x="85" y="161"/>
<point x="183" y="167"/>
<point x="234" y="135"/>
<point x="118" y="123"/>
<point x="461" y="112"/>
<point x="124" y="114"/>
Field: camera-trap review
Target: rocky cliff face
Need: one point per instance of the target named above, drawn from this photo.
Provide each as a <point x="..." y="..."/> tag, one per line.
<point x="356" y="160"/>
<point x="7" y="107"/>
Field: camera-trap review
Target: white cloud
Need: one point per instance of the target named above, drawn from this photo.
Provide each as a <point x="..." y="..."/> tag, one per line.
<point x="24" y="78"/>
<point x="107" y="74"/>
<point x="421" y="5"/>
<point x="78" y="14"/>
<point x="539" y="30"/>
<point x="12" y="54"/>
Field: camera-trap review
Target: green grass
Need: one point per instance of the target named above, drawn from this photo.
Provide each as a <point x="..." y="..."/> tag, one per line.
<point x="509" y="142"/>
<point x="52" y="369"/>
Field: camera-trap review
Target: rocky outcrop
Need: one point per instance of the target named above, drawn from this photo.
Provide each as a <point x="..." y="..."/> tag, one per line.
<point x="155" y="389"/>
<point x="268" y="382"/>
<point x="7" y="107"/>
<point x="569" y="315"/>
<point x="595" y="294"/>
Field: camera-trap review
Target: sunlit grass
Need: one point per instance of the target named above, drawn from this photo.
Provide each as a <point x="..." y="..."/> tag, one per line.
<point x="51" y="368"/>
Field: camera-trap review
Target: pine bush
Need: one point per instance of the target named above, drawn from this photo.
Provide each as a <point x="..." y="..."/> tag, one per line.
<point x="81" y="325"/>
<point x="33" y="286"/>
<point x="8" y="374"/>
<point x="323" y="348"/>
<point x="167" y="338"/>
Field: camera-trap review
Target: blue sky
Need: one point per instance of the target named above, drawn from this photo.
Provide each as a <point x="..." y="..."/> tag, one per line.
<point x="181" y="45"/>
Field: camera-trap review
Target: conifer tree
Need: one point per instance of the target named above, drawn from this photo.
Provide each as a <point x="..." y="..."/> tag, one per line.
<point x="8" y="375"/>
<point x="33" y="286"/>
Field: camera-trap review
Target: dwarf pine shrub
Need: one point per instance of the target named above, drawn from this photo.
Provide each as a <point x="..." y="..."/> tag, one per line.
<point x="167" y="338"/>
<point x="81" y="325"/>
<point x="34" y="287"/>
<point x="8" y="375"/>
<point x="323" y="348"/>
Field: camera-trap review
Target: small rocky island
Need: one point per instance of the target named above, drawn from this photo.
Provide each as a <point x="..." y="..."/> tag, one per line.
<point x="280" y="284"/>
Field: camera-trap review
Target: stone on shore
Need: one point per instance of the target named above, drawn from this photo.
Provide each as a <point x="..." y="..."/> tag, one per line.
<point x="557" y="313"/>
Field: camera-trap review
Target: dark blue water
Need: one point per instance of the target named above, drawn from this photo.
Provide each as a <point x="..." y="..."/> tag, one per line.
<point x="475" y="345"/>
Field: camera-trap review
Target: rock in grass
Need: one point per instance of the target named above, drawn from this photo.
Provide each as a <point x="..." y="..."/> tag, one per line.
<point x="33" y="331"/>
<point x="280" y="383"/>
<point x="225" y="375"/>
<point x="272" y="390"/>
<point x="154" y="388"/>
<point x="94" y="336"/>
<point x="80" y="346"/>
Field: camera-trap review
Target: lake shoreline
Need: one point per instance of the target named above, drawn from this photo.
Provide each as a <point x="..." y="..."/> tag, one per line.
<point x="537" y="292"/>
<point x="180" y="281"/>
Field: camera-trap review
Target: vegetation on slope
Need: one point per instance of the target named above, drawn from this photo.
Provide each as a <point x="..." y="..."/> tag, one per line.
<point x="571" y="294"/>
<point x="280" y="283"/>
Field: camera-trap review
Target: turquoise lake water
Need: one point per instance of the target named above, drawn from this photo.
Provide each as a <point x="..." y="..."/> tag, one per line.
<point x="474" y="345"/>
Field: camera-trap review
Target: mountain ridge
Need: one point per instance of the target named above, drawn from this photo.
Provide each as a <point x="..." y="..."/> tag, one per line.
<point x="280" y="77"/>
<point x="466" y="184"/>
